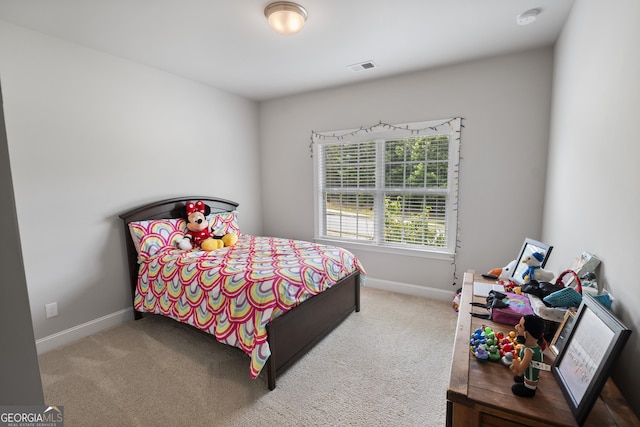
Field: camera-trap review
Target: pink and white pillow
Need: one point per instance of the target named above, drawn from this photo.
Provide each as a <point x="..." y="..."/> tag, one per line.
<point x="224" y="223"/>
<point x="152" y="235"/>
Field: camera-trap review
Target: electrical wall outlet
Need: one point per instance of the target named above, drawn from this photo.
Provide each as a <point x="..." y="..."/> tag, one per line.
<point x="51" y="309"/>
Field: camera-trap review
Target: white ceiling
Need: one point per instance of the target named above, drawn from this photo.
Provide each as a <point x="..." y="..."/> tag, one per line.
<point x="228" y="44"/>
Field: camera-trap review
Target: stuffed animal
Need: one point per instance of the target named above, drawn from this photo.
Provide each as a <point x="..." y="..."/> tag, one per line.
<point x="504" y="273"/>
<point x="534" y="271"/>
<point x="199" y="233"/>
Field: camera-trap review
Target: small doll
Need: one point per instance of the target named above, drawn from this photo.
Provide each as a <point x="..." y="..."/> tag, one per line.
<point x="530" y="330"/>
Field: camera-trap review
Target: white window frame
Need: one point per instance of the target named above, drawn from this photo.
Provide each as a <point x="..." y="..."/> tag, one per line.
<point x="383" y="132"/>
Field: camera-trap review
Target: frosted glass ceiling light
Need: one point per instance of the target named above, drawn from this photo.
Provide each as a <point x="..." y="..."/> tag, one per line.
<point x="285" y="17"/>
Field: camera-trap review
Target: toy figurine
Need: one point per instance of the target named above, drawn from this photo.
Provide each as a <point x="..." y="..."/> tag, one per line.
<point x="482" y="355"/>
<point x="530" y="330"/>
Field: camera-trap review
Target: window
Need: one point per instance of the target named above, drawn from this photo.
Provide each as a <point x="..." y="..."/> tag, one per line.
<point x="391" y="186"/>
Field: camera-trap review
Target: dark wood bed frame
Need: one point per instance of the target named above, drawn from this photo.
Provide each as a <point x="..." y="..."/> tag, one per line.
<point x="291" y="335"/>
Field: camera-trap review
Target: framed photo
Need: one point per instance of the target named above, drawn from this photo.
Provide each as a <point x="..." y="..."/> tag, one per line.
<point x="583" y="363"/>
<point x="560" y="338"/>
<point x="529" y="247"/>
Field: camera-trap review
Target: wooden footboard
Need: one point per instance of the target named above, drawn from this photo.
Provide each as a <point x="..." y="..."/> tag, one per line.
<point x="294" y="333"/>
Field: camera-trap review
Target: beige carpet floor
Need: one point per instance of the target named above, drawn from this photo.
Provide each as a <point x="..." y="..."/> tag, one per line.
<point x="387" y="365"/>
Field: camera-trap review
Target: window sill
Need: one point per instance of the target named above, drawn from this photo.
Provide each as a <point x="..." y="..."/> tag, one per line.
<point x="419" y="253"/>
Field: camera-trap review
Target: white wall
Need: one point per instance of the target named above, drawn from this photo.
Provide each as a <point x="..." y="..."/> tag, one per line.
<point x="505" y="101"/>
<point x="91" y="136"/>
<point x="592" y="199"/>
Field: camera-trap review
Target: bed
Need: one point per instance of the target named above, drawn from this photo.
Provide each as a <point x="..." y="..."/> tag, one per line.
<point x="275" y="317"/>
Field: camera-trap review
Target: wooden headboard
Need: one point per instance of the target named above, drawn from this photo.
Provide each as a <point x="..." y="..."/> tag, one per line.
<point x="164" y="209"/>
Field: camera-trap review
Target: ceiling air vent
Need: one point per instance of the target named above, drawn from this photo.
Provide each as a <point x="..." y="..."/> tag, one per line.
<point x="367" y="65"/>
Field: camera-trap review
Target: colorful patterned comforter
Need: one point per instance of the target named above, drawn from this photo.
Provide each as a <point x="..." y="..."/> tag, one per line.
<point x="233" y="293"/>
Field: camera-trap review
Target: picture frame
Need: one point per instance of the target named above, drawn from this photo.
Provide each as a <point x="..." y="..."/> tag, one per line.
<point x="560" y="338"/>
<point x="582" y="366"/>
<point x="529" y="247"/>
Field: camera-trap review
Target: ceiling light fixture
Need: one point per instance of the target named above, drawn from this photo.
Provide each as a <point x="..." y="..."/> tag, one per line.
<point x="285" y="17"/>
<point x="527" y="17"/>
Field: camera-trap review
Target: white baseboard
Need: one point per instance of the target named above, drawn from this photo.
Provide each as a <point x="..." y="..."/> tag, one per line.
<point x="410" y="289"/>
<point x="67" y="336"/>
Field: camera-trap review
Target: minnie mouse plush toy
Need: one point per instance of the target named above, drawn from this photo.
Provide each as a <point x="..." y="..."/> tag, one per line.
<point x="199" y="231"/>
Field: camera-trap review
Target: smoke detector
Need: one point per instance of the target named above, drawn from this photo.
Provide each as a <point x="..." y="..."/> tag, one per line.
<point x="367" y="65"/>
<point x="527" y="17"/>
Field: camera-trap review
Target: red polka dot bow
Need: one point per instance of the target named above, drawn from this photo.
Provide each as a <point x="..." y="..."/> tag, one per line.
<point x="195" y="207"/>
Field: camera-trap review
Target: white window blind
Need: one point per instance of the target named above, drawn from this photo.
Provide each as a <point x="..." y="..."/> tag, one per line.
<point x="389" y="185"/>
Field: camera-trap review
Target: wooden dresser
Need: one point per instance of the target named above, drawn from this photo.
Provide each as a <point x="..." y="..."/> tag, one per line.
<point x="479" y="393"/>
